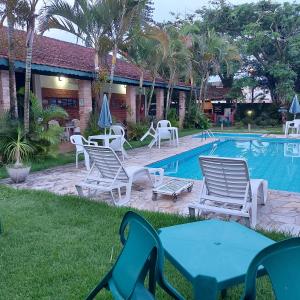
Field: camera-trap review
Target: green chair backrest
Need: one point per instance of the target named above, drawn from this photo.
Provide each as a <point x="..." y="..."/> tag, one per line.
<point x="142" y="252"/>
<point x="282" y="263"/>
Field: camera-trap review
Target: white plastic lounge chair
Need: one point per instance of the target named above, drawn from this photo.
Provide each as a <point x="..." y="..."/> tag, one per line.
<point x="113" y="175"/>
<point x="118" y="144"/>
<point x="79" y="141"/>
<point x="227" y="188"/>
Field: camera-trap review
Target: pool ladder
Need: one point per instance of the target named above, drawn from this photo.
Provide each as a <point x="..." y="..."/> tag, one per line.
<point x="207" y="134"/>
<point x="214" y="148"/>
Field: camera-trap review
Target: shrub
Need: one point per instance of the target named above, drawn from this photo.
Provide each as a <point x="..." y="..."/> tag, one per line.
<point x="42" y="138"/>
<point x="92" y="125"/>
<point x="173" y="117"/>
<point x="136" y="131"/>
<point x="196" y="119"/>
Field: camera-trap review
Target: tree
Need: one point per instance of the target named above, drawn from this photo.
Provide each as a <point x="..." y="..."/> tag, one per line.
<point x="267" y="32"/>
<point x="10" y="11"/>
<point x="29" y="16"/>
<point x="120" y="17"/>
<point x="85" y="20"/>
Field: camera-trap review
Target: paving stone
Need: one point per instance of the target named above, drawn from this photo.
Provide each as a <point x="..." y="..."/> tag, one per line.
<point x="282" y="211"/>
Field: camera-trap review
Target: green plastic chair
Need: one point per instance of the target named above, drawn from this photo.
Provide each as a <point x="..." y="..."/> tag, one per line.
<point x="282" y="263"/>
<point x="141" y="255"/>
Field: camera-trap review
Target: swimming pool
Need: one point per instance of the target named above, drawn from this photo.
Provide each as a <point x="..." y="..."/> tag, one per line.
<point x="276" y="160"/>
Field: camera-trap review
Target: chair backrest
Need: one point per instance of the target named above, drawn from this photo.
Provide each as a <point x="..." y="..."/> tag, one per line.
<point x="164" y="123"/>
<point x="78" y="141"/>
<point x="141" y="253"/>
<point x="53" y="123"/>
<point x="117" y="129"/>
<point x="75" y="123"/>
<point x="107" y="163"/>
<point x="282" y="263"/>
<point x="226" y="177"/>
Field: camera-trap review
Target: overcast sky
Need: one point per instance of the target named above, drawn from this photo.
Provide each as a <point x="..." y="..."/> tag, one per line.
<point x="161" y="12"/>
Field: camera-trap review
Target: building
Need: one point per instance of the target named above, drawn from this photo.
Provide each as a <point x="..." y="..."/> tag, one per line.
<point x="62" y="74"/>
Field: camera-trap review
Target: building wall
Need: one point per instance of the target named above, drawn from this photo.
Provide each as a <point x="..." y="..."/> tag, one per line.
<point x="62" y="95"/>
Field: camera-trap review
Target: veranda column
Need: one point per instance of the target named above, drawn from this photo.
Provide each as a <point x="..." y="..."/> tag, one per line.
<point x="37" y="90"/>
<point x="159" y="103"/>
<point x="85" y="102"/>
<point x="131" y="104"/>
<point x="182" y="99"/>
<point x="4" y="91"/>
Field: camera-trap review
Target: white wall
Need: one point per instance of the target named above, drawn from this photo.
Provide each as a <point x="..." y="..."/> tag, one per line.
<point x="55" y="82"/>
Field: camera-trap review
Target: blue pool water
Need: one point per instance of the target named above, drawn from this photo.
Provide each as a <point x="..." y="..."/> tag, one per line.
<point x="276" y="160"/>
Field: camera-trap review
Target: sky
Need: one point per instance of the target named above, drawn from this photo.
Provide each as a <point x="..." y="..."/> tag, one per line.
<point x="161" y="12"/>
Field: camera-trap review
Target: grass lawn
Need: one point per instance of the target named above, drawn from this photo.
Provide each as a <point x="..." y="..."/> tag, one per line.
<point x="58" y="247"/>
<point x="50" y="162"/>
<point x="67" y="158"/>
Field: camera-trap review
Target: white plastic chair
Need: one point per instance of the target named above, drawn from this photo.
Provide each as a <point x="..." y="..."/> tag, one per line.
<point x="79" y="141"/>
<point x="227" y="188"/>
<point x="76" y="124"/>
<point x="163" y="133"/>
<point x="113" y="175"/>
<point x="118" y="144"/>
<point x="294" y="126"/>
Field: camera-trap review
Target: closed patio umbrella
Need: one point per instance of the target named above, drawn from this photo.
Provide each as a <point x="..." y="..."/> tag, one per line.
<point x="295" y="107"/>
<point x="105" y="120"/>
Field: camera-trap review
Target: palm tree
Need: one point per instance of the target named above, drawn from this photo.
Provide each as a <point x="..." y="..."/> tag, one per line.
<point x="121" y="16"/>
<point x="147" y="49"/>
<point x="85" y="20"/>
<point x="9" y="11"/>
<point x="29" y="17"/>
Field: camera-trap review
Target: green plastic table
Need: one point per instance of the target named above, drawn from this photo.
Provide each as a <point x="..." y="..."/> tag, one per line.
<point x="213" y="255"/>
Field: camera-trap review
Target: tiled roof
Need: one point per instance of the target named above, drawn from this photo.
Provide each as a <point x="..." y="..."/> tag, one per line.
<point x="55" y="53"/>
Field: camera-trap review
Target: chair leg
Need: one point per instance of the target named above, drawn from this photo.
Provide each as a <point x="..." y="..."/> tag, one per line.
<point x="79" y="190"/>
<point x="76" y="159"/>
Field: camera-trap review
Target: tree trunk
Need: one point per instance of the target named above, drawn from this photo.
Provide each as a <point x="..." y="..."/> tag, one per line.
<point x="203" y="91"/>
<point x="11" y="68"/>
<point x="112" y="70"/>
<point x="140" y="95"/>
<point x="29" y="44"/>
<point x="151" y="95"/>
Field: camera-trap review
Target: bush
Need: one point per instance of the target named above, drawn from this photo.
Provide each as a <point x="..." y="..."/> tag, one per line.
<point x="173" y="117"/>
<point x="92" y="125"/>
<point x="194" y="118"/>
<point x="136" y="131"/>
<point x="42" y="138"/>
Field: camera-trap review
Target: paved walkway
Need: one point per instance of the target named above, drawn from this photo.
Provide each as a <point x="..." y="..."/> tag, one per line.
<point x="281" y="213"/>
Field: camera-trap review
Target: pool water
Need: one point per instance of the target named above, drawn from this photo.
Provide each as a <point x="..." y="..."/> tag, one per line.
<point x="233" y="135"/>
<point x="276" y="160"/>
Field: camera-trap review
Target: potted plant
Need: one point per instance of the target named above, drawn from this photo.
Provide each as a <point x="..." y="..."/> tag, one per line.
<point x="18" y="150"/>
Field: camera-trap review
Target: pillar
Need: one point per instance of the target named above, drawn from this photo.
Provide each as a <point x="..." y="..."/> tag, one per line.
<point x="85" y="102"/>
<point x="182" y="99"/>
<point x="159" y="103"/>
<point x="37" y="90"/>
<point x="131" y="104"/>
<point x="4" y="91"/>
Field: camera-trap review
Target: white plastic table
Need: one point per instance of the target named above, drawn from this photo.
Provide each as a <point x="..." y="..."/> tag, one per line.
<point x="105" y="138"/>
<point x="172" y="188"/>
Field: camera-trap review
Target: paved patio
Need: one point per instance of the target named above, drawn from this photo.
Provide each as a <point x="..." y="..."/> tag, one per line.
<point x="281" y="213"/>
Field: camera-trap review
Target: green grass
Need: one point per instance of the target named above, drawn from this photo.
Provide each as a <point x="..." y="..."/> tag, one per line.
<point x="58" y="247"/>
<point x="254" y="129"/>
<point x="46" y="163"/>
<point x="181" y="133"/>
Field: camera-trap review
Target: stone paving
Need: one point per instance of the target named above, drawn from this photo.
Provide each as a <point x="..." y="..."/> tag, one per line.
<point x="281" y="213"/>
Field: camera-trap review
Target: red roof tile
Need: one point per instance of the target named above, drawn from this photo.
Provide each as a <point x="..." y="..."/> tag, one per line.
<point x="56" y="53"/>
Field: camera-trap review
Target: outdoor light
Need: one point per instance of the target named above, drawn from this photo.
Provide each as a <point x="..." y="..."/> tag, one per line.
<point x="249" y="113"/>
